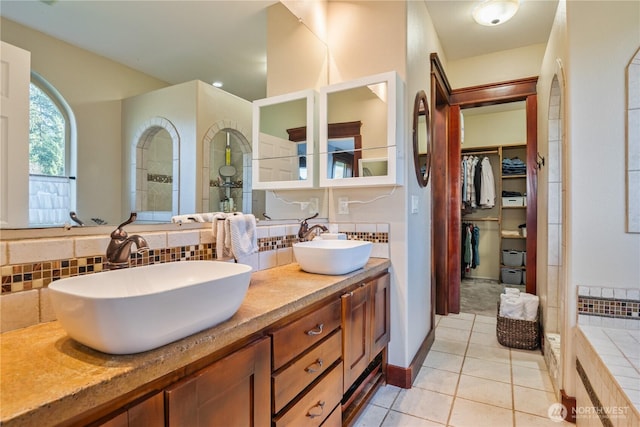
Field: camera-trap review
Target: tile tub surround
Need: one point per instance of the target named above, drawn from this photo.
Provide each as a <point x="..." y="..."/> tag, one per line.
<point x="48" y="376"/>
<point x="608" y="365"/>
<point x="29" y="265"/>
<point x="609" y="307"/>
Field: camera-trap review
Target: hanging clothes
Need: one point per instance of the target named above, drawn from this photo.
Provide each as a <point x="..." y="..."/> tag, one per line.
<point x="470" y="251"/>
<point x="478" y="183"/>
<point x="488" y="186"/>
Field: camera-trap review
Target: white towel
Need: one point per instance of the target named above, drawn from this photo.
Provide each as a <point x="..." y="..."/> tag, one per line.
<point x="179" y="219"/>
<point x="530" y="306"/>
<point x="512" y="291"/>
<point x="195" y="217"/>
<point x="218" y="230"/>
<point x="511" y="307"/>
<point x="241" y="237"/>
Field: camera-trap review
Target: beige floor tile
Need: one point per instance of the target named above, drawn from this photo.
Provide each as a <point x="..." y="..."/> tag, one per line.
<point x="485" y="328"/>
<point x="532" y="378"/>
<point x="372" y="416"/>
<point x="485" y="339"/>
<point x="455" y="322"/>
<point x="447" y="346"/>
<point x="532" y="401"/>
<point x="485" y="391"/>
<point x="385" y="396"/>
<point x="474" y="414"/>
<point x="486" y="319"/>
<point x="528" y="358"/>
<point x="466" y="316"/>
<point x="437" y="380"/>
<point x="452" y="334"/>
<point x="444" y="361"/>
<point x="495" y="371"/>
<point x="424" y="404"/>
<point x="490" y="353"/>
<point x="528" y="420"/>
<point x="398" y="419"/>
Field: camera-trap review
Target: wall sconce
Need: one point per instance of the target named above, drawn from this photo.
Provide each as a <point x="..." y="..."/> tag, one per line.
<point x="495" y="12"/>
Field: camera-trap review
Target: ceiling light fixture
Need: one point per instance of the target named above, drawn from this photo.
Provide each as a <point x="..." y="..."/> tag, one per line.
<point x="495" y="12"/>
<point x="217" y="84"/>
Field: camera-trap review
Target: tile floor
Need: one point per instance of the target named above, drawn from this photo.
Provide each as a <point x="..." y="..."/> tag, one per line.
<point x="468" y="379"/>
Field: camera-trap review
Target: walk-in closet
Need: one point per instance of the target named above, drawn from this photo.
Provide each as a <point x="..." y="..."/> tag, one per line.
<point x="493" y="204"/>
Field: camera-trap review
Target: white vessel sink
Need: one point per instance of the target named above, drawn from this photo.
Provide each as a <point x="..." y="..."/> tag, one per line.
<point x="137" y="309"/>
<point x="332" y="256"/>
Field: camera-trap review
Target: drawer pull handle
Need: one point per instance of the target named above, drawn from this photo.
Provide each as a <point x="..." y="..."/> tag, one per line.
<point x="317" y="330"/>
<point x="318" y="405"/>
<point x="310" y="370"/>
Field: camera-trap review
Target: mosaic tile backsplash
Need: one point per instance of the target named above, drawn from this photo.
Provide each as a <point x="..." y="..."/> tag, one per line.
<point x="29" y="277"/>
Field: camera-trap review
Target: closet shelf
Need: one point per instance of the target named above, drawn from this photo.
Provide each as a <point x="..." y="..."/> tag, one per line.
<point x="513" y="176"/>
<point x="514" y="207"/>
<point x="486" y="218"/>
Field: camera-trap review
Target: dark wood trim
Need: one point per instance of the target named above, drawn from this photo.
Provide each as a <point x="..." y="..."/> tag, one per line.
<point x="440" y="203"/>
<point x="341" y="130"/>
<point x="532" y="193"/>
<point x="297" y="134"/>
<point x="495" y="93"/>
<point x="569" y="403"/>
<point x="437" y="70"/>
<point x="454" y="218"/>
<point x="404" y="377"/>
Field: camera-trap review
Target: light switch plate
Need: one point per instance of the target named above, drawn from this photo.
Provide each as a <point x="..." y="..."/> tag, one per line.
<point x="414" y="204"/>
<point x="343" y="205"/>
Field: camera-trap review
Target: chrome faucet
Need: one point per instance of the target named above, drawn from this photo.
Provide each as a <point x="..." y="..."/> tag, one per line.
<point x="119" y="249"/>
<point x="305" y="231"/>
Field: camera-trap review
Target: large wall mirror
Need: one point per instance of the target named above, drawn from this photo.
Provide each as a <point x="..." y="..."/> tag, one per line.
<point x="358" y="132"/>
<point x="422" y="148"/>
<point x="284" y="141"/>
<point x="633" y="144"/>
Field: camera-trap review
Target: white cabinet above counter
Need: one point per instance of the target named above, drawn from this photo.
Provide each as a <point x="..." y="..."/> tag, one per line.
<point x="348" y="135"/>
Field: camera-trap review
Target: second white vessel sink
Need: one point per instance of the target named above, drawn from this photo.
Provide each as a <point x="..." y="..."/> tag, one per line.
<point x="332" y="257"/>
<point x="138" y="309"/>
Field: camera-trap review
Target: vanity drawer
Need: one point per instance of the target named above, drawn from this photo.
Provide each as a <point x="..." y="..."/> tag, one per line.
<point x="293" y="339"/>
<point x="295" y="378"/>
<point x="317" y="404"/>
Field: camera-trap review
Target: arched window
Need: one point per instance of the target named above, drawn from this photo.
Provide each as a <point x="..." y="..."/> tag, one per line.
<point x="51" y="155"/>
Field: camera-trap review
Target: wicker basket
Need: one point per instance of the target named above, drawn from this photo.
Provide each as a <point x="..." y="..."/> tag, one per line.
<point x="523" y="334"/>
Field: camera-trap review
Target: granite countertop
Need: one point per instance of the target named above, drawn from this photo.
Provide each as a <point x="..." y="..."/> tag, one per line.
<point x="46" y="377"/>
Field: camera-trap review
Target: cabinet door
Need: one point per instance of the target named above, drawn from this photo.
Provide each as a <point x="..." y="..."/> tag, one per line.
<point x="148" y="413"/>
<point x="234" y="391"/>
<point x="356" y="325"/>
<point x="380" y="324"/>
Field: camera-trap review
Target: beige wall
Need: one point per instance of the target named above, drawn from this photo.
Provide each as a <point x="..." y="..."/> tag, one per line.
<point x="296" y="58"/>
<point x="93" y="86"/>
<point x="496" y="67"/>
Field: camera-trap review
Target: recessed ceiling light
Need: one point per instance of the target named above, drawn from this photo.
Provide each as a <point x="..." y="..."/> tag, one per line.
<point x="495" y="12"/>
<point x="217" y="84"/>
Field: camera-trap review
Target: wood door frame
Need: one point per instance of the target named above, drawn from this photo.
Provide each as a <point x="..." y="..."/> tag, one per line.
<point x="446" y="104"/>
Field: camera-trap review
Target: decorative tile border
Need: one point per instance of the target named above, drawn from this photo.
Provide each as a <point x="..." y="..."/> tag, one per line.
<point x="159" y="178"/>
<point x="27" y="276"/>
<point x="609" y="307"/>
<point x="23" y="277"/>
<point x="595" y="401"/>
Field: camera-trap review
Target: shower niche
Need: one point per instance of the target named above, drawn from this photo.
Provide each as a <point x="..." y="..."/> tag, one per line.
<point x="204" y="164"/>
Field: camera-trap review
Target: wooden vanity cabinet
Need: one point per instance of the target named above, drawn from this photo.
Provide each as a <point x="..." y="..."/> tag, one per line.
<point x="366" y="333"/>
<point x="307" y="368"/>
<point x="234" y="391"/>
<point x="147" y="413"/>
